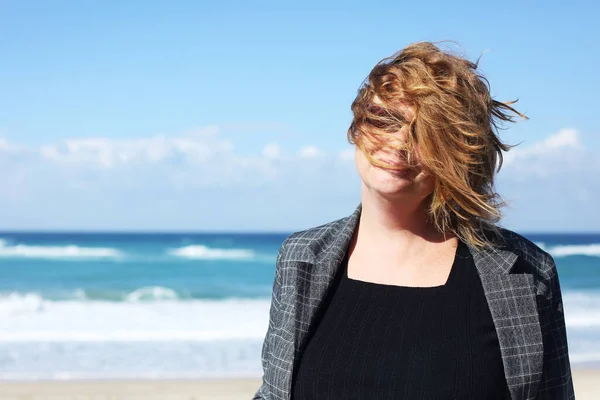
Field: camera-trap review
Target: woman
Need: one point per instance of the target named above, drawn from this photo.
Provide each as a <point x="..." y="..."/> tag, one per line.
<point x="418" y="294"/>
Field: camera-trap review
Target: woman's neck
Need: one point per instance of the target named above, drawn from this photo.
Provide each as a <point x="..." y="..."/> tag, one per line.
<point x="398" y="223"/>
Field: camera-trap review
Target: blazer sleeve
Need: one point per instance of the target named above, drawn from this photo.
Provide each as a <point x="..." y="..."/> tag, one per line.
<point x="557" y="382"/>
<point x="263" y="392"/>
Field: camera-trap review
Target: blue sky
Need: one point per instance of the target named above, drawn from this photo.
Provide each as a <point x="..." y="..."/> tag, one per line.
<point x="220" y="115"/>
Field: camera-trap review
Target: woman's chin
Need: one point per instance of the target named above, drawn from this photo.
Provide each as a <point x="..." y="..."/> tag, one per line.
<point x="393" y="184"/>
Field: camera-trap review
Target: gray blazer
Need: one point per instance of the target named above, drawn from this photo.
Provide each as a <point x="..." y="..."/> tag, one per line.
<point x="519" y="280"/>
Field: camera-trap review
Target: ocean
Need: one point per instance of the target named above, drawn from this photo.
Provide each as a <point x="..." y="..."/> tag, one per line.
<point x="121" y="305"/>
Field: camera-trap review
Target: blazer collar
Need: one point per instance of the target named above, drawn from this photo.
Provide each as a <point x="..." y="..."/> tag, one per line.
<point x="499" y="259"/>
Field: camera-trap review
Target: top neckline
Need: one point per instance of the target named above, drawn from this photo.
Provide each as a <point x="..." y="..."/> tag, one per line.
<point x="460" y="254"/>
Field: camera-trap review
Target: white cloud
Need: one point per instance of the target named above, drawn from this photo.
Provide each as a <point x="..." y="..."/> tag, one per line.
<point x="194" y="180"/>
<point x="564" y="141"/>
<point x="309" y="152"/>
<point x="272" y="150"/>
<point x="6" y="147"/>
<point x="194" y="147"/>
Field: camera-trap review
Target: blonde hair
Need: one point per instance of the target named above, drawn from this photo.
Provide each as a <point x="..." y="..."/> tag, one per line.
<point x="453" y="133"/>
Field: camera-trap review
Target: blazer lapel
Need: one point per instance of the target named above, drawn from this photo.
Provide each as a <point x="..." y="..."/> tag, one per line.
<point x="313" y="278"/>
<point x="512" y="302"/>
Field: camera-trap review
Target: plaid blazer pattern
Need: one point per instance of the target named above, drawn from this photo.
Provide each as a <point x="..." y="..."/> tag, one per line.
<point x="520" y="283"/>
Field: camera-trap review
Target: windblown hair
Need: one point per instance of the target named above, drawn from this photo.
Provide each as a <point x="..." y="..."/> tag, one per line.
<point x="452" y="133"/>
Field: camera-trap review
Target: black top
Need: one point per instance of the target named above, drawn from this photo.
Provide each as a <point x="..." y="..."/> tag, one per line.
<point x="377" y="341"/>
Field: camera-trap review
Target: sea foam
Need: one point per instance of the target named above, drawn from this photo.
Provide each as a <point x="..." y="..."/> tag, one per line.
<point x="575" y="250"/>
<point x="582" y="309"/>
<point x="209" y="253"/>
<point x="152" y="293"/>
<point x="31" y="318"/>
<point x="61" y="252"/>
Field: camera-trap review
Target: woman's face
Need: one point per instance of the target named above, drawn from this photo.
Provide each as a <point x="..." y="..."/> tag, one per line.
<point x="409" y="183"/>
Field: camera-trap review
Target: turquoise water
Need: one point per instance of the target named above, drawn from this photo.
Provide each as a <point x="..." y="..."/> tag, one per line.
<point x="112" y="266"/>
<point x="89" y="305"/>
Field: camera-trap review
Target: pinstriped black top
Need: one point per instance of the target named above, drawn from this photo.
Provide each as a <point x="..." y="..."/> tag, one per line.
<point x="377" y="341"/>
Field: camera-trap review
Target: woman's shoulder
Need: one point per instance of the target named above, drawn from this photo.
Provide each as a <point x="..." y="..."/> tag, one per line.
<point x="308" y="244"/>
<point x="532" y="258"/>
<point x="316" y="233"/>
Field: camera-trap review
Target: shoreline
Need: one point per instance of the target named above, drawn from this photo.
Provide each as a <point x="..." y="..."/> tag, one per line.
<point x="585" y="381"/>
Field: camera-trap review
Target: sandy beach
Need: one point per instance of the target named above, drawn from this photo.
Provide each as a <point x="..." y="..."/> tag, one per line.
<point x="586" y="388"/>
<point x="226" y="389"/>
